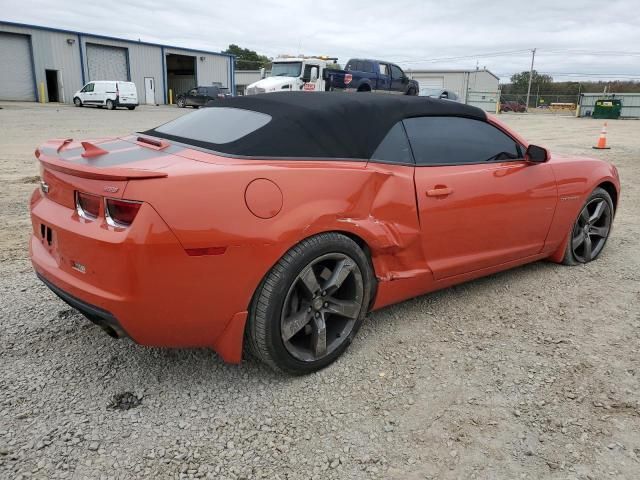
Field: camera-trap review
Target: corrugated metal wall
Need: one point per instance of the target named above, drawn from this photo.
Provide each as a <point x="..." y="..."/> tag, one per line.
<point x="143" y="60"/>
<point x="67" y="53"/>
<point x="53" y="51"/>
<point x="478" y="87"/>
<point x="630" y="103"/>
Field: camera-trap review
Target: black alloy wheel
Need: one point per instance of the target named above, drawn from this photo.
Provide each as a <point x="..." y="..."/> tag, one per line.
<point x="310" y="305"/>
<point x="321" y="307"/>
<point x="591" y="229"/>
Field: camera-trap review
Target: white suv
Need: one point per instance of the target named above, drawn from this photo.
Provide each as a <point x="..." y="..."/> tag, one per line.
<point x="110" y="94"/>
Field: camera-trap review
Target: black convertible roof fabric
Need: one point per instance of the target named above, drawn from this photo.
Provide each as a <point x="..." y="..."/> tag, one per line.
<point x="324" y="124"/>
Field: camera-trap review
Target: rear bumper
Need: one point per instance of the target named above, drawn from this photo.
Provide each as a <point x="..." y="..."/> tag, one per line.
<point x="139" y="282"/>
<point x="97" y="315"/>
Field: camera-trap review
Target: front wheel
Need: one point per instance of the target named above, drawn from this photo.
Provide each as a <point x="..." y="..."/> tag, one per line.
<point x="181" y="103"/>
<point x="411" y="91"/>
<point x="110" y="105"/>
<point x="311" y="304"/>
<point x="591" y="229"/>
<point x="77" y="102"/>
<point x="133" y="107"/>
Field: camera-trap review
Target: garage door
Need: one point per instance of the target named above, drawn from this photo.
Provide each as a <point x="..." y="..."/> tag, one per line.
<point x="16" y="73"/>
<point x="107" y="63"/>
<point x="430" y="83"/>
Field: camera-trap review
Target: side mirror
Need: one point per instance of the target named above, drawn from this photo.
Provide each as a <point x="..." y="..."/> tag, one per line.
<point x="536" y="154"/>
<point x="262" y="73"/>
<point x="314" y="74"/>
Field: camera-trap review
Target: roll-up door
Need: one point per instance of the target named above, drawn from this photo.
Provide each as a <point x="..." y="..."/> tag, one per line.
<point x="107" y="63"/>
<point x="16" y="71"/>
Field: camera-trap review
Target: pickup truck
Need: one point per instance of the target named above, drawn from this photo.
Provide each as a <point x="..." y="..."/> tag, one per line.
<point x="366" y="75"/>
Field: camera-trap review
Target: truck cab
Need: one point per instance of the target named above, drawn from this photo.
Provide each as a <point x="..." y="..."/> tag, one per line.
<point x="293" y="74"/>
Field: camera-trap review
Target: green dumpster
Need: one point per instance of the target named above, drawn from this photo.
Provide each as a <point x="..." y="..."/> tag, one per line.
<point x="608" y="108"/>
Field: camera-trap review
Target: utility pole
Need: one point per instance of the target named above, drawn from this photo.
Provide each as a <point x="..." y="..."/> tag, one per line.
<point x="533" y="56"/>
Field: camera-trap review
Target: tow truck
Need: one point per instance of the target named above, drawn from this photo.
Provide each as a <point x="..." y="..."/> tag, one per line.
<point x="295" y="73"/>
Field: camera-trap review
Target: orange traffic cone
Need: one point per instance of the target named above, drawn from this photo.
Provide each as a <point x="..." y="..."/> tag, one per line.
<point x="602" y="141"/>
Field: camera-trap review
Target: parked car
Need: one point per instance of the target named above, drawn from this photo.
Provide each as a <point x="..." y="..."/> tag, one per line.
<point x="106" y="93"/>
<point x="512" y="106"/>
<point x="366" y="75"/>
<point x="200" y="96"/>
<point x="277" y="221"/>
<point x="439" y="93"/>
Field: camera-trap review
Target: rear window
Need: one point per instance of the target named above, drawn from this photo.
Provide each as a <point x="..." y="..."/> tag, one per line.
<point x="218" y="125"/>
<point x="126" y="87"/>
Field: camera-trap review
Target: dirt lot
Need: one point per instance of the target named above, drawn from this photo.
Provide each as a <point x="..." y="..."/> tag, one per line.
<point x="533" y="373"/>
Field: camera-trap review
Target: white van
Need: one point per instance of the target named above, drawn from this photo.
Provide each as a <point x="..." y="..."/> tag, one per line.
<point x="110" y="94"/>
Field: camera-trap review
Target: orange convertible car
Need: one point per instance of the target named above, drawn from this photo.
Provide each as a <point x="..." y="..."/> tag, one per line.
<point x="277" y="221"/>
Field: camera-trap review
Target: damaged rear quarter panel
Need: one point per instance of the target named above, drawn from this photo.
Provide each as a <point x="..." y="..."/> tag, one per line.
<point x="203" y="203"/>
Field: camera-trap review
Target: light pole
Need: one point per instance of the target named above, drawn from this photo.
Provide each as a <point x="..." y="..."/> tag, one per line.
<point x="533" y="56"/>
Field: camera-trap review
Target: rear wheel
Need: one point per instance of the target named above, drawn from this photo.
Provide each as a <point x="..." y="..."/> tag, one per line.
<point x="311" y="304"/>
<point x="77" y="102"/>
<point x="590" y="230"/>
<point x="110" y="104"/>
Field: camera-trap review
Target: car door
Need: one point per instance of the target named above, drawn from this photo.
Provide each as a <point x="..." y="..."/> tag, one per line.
<point x="384" y="77"/>
<point x="201" y="96"/>
<point x="190" y="97"/>
<point x="399" y="80"/>
<point x="480" y="203"/>
<point x="86" y="94"/>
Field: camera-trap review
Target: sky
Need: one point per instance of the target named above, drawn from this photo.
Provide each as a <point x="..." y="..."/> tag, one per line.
<point x="575" y="40"/>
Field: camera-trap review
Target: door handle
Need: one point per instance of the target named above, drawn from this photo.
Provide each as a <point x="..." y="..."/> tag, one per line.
<point x="439" y="192"/>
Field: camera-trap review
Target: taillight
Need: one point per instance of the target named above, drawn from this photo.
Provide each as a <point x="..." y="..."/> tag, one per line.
<point x="87" y="206"/>
<point x="120" y="213"/>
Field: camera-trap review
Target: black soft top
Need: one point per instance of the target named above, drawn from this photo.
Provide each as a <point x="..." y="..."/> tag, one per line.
<point x="322" y="124"/>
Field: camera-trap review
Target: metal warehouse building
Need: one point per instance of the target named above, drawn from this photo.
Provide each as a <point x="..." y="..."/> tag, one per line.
<point x="474" y="87"/>
<point x="50" y="65"/>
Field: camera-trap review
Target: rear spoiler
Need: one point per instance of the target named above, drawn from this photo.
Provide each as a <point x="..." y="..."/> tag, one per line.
<point x="84" y="171"/>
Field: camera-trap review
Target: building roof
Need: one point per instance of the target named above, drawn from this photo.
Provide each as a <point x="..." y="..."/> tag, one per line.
<point x="452" y="71"/>
<point x="105" y="37"/>
<point x="315" y="124"/>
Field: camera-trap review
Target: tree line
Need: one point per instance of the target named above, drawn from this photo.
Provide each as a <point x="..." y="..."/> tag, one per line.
<point x="544" y="84"/>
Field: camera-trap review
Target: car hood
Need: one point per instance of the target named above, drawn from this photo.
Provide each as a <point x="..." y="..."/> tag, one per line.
<point x="273" y="83"/>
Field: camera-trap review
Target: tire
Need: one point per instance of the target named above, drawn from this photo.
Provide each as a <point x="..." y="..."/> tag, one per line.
<point x="331" y="259"/>
<point x="110" y="105"/>
<point x="364" y="88"/>
<point x="590" y="231"/>
<point x="181" y="103"/>
<point x="411" y="91"/>
<point x="132" y="108"/>
<point x="77" y="102"/>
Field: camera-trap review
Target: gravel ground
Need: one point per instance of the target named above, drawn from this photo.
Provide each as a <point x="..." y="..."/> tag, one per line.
<point x="532" y="373"/>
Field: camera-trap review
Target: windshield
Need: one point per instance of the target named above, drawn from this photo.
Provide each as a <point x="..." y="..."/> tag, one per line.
<point x="286" y="69"/>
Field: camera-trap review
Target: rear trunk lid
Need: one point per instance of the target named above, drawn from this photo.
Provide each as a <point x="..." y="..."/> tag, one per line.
<point x="101" y="167"/>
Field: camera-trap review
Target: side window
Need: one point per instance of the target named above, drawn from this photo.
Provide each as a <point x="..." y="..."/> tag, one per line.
<point x="396" y="72"/>
<point x="87" y="88"/>
<point x="394" y="148"/>
<point x="202" y="91"/>
<point x="193" y="91"/>
<point x="384" y="69"/>
<point x="456" y="141"/>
